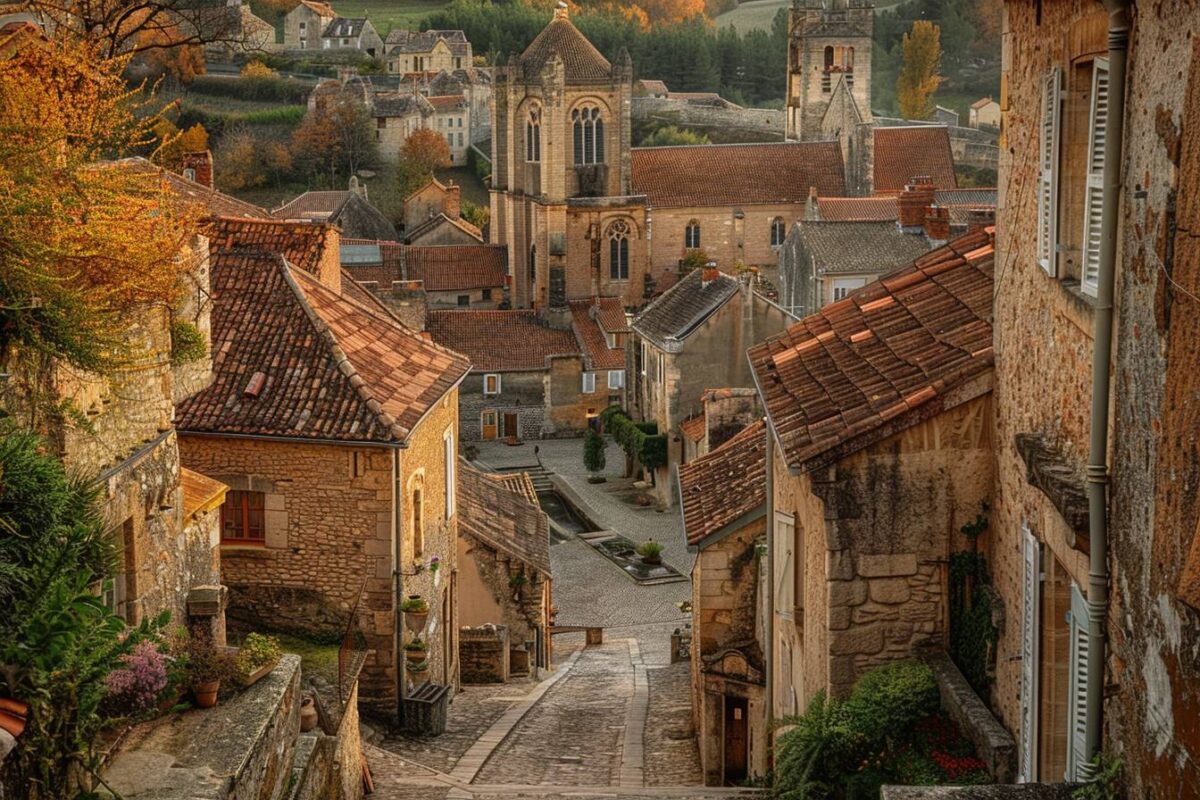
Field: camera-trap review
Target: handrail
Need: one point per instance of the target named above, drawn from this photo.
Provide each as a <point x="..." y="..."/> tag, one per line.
<point x="347" y="646"/>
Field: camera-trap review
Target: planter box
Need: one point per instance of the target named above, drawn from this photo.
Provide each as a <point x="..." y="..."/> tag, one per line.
<point x="254" y="677"/>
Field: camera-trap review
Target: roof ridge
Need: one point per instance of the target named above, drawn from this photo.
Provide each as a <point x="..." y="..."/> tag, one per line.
<point x="735" y="144"/>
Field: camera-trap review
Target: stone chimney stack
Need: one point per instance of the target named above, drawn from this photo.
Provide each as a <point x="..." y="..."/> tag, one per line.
<point x="408" y="301"/>
<point x="810" y="206"/>
<point x="198" y="167"/>
<point x="710" y="273"/>
<point x="453" y="205"/>
<point x="329" y="269"/>
<point x="937" y="224"/>
<point x="913" y="202"/>
<point x="561" y="10"/>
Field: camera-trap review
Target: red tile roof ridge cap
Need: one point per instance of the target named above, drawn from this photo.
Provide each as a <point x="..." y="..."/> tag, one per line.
<point x="748" y="432"/>
<point x="734" y="144"/>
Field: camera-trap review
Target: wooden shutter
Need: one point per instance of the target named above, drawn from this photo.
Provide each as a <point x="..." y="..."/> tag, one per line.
<point x="1030" y="634"/>
<point x="1094" y="193"/>
<point x="1077" y="761"/>
<point x="1048" y="146"/>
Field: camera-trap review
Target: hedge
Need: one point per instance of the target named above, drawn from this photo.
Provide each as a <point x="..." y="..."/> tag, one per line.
<point x="278" y="90"/>
<point x="650" y="449"/>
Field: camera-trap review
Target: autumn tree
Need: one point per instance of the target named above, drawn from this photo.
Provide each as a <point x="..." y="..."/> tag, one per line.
<point x="239" y="161"/>
<point x="178" y="63"/>
<point x="172" y="143"/>
<point x="336" y="137"/>
<point x="424" y="151"/>
<point x="130" y="27"/>
<point x="920" y="76"/>
<point x="671" y="135"/>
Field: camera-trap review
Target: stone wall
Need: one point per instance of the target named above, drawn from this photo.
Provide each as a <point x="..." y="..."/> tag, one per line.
<point x="521" y="393"/>
<point x="568" y="406"/>
<point x="728" y="235"/>
<point x="484" y="654"/>
<point x="764" y="122"/>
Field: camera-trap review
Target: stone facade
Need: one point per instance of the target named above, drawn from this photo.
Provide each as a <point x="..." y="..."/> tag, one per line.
<point x="829" y="43"/>
<point x="484" y="654"/>
<point x="304" y="24"/>
<point x="488" y="596"/>
<point x="728" y="235"/>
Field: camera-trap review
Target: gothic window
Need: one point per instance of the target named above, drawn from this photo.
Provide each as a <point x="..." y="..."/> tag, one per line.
<point x="777" y="231"/>
<point x="533" y="135"/>
<point x="618" y="251"/>
<point x="532" y="266"/>
<point x="828" y="57"/>
<point x="691" y="235"/>
<point x="588" y="129"/>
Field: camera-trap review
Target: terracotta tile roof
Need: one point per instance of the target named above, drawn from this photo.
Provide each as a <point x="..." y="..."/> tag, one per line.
<point x="981" y="102"/>
<point x="216" y="203"/>
<point x="680" y="310"/>
<point x="322" y="9"/>
<point x="301" y="243"/>
<point x="693" y="427"/>
<point x="431" y="224"/>
<point x="405" y="41"/>
<point x="582" y="62"/>
<point x="725" y="485"/>
<point x="856" y="209"/>
<point x="294" y="358"/>
<point x="505" y="520"/>
<point x="310" y="204"/>
<point x="501" y="341"/>
<point x="611" y="315"/>
<point x="737" y="174"/>
<point x="882" y="359"/>
<point x="653" y="86"/>
<point x="448" y="102"/>
<point x="446" y="268"/>
<point x="904" y="152"/>
<point x="200" y="492"/>
<point x="595" y="346"/>
<point x="859" y="247"/>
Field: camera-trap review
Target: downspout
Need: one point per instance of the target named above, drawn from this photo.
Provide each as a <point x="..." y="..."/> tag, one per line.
<point x="398" y="660"/>
<point x="769" y="644"/>
<point x="1097" y="469"/>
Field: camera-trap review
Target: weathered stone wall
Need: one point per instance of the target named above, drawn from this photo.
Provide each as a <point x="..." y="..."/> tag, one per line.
<point x="521" y="393"/>
<point x="484" y="654"/>
<point x="568" y="405"/>
<point x="487" y="595"/>
<point x="687" y="114"/>
<point x="724" y="589"/>
<point x="588" y="262"/>
<point x="724" y="237"/>
<point x="726" y="413"/>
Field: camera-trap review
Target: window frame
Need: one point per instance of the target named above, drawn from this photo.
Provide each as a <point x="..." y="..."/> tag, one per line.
<point x="227" y="510"/>
<point x="449" y="469"/>
<point x="691" y="235"/>
<point x="778" y="232"/>
<point x="1049" y="154"/>
<point x="1093" y="191"/>
<point x="488" y="376"/>
<point x="618" y="250"/>
<point x="587" y="135"/>
<point x="588" y="377"/>
<point x="620" y="374"/>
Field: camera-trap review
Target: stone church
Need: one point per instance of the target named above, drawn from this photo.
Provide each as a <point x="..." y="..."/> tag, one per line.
<point x="829" y="67"/>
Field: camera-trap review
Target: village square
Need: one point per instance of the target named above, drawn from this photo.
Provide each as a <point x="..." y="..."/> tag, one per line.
<point x="481" y="399"/>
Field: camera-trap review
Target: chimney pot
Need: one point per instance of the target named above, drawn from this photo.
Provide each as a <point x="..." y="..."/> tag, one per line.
<point x="198" y="167"/>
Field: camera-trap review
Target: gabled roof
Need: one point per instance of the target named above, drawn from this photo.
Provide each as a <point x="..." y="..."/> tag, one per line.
<point x="856" y="209"/>
<point x="445" y="268"/>
<point x="610" y="313"/>
<point x="595" y="347"/>
<point x="301" y="243"/>
<point x="982" y="102"/>
<point x="345" y="27"/>
<point x="725" y="486"/>
<point x="883" y="359"/>
<point x="501" y="341"/>
<point x="399" y="104"/>
<point x="859" y="247"/>
<point x="582" y="62"/>
<point x="437" y="221"/>
<point x="503" y="517"/>
<point x="405" y="41"/>
<point x="447" y="102"/>
<point x="680" y="310"/>
<point x="321" y="9"/>
<point x="200" y="492"/>
<point x="737" y="174"/>
<point x="217" y="203"/>
<point x="903" y="152"/>
<point x="694" y="427"/>
<point x="293" y="358"/>
<point x="348" y="210"/>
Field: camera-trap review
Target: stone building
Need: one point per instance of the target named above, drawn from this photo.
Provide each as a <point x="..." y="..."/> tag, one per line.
<point x="336" y="430"/>
<point x="878" y="411"/>
<point x="829" y="53"/>
<point x="1099" y="122"/>
<point x="400" y="114"/>
<point x="723" y="501"/>
<point x="531" y="379"/>
<point x="352" y="33"/>
<point x="984" y="113"/>
<point x="304" y="25"/>
<point x="442" y="229"/>
<point x="450" y="276"/>
<point x="723" y="414"/>
<point x="427" y="51"/>
<point x="350" y="211"/>
<point x="504" y="560"/>
<point x="691" y="339"/>
<point x="430" y="200"/>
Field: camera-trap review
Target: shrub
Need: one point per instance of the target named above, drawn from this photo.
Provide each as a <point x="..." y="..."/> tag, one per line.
<point x="816" y="753"/>
<point x="187" y="343"/>
<point x="888" y="701"/>
<point x="650" y="549"/>
<point x="416" y="645"/>
<point x="256" y="652"/>
<point x="593" y="451"/>
<point x="135" y="686"/>
<point x="649" y="449"/>
<point x="207" y="662"/>
<point x="414" y="605"/>
<point x="264" y="88"/>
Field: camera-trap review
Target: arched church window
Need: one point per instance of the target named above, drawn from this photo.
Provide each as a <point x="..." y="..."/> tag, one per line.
<point x="777" y="231"/>
<point x="618" y="250"/>
<point x="691" y="235"/>
<point x="828" y="57"/>
<point x="588" y="129"/>
<point x="533" y="135"/>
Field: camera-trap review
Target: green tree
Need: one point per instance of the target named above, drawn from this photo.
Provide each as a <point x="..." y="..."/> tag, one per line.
<point x="671" y="135"/>
<point x="593" y="452"/>
<point x="920" y="76"/>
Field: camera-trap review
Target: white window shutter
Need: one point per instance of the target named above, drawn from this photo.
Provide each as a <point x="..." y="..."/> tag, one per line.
<point x="1089" y="274"/>
<point x="1077" y="761"/>
<point x="1048" y="147"/>
<point x="1030" y="636"/>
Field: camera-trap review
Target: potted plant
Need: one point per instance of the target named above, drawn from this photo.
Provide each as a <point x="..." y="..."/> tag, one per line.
<point x="257" y="656"/>
<point x="208" y="665"/>
<point x="416" y="612"/>
<point x="418" y="667"/>
<point x="650" y="551"/>
<point x="435" y="564"/>
<point x="415" y="651"/>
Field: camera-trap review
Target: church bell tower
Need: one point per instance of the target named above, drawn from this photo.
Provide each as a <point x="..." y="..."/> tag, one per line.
<point x="829" y="43"/>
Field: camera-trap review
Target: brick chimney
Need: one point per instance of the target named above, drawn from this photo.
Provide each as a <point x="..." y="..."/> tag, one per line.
<point x="709" y="274"/>
<point x="199" y="167"/>
<point x="452" y="207"/>
<point x="937" y="224"/>
<point x="329" y="270"/>
<point x="810" y="206"/>
<point x="912" y="203"/>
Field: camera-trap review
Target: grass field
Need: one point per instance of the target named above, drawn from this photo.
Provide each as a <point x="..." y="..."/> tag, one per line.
<point x="388" y="14"/>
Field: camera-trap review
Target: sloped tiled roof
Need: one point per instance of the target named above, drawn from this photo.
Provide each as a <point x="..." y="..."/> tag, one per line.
<point x="737" y="174"/>
<point x="447" y="102"/>
<point x="200" y="492"/>
<point x="982" y="102"/>
<point x="216" y="203"/>
<point x="720" y="487"/>
<point x="860" y="247"/>
<point x="595" y="347"/>
<point x="311" y="204"/>
<point x="856" y="209"/>
<point x="445" y="268"/>
<point x="504" y="519"/>
<point x="322" y="9"/>
<point x="344" y="27"/>
<point x="653" y="86"/>
<point x="882" y="359"/>
<point x="294" y="358"/>
<point x="610" y="314"/>
<point x="405" y="41"/>
<point x="582" y="62"/>
<point x="500" y="341"/>
<point x="348" y="210"/>
<point x="904" y="152"/>
<point x="693" y="427"/>
<point x="301" y="243"/>
<point x="438" y="220"/>
<point x="975" y="198"/>
<point x="680" y="310"/>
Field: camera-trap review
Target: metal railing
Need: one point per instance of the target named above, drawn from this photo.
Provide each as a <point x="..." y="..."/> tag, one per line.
<point x="353" y="649"/>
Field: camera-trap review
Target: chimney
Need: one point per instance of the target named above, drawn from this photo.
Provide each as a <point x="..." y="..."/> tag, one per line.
<point x="937" y="224"/>
<point x="912" y="203"/>
<point x="452" y="207"/>
<point x="198" y="167"/>
<point x="407" y="301"/>
<point x="810" y="207"/>
<point x="329" y="269"/>
<point x="710" y="273"/>
<point x="561" y="11"/>
<point x="980" y="218"/>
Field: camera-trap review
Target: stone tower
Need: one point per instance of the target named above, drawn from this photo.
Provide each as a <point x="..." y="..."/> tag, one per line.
<point x="829" y="43"/>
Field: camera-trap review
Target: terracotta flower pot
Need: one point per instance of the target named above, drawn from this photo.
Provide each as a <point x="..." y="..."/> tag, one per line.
<point x="308" y="715"/>
<point x="206" y="693"/>
<point x="253" y="677"/>
<point x="415" y="620"/>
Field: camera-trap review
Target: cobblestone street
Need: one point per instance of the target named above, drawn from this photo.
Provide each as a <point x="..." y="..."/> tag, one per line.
<point x="612" y="720"/>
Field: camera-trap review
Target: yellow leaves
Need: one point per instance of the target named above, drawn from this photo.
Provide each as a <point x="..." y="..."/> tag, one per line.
<point x="257" y="69"/>
<point x="919" y="77"/>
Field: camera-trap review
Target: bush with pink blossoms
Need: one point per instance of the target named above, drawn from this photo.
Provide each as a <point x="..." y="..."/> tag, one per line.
<point x="134" y="688"/>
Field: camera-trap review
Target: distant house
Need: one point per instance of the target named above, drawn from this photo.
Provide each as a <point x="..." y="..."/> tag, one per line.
<point x="400" y="114"/>
<point x="427" y="51"/>
<point x="441" y="229"/>
<point x="984" y="112"/>
<point x="454" y="276"/>
<point x="945" y="116"/>
<point x="430" y="200"/>
<point x="352" y="33"/>
<point x="649" y="88"/>
<point x="349" y="210"/>
<point x="304" y="25"/>
<point x="231" y="29"/>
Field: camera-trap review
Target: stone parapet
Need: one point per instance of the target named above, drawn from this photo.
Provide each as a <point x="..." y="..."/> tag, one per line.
<point x="994" y="744"/>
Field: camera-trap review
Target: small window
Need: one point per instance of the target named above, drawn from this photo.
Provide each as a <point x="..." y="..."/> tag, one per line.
<point x="589" y="382"/>
<point x="844" y="286"/>
<point x="464" y="300"/>
<point x="448" y="452"/>
<point x="616" y="378"/>
<point x="486" y="294"/>
<point x="418" y="521"/>
<point x="243" y="518"/>
<point x="610" y="340"/>
<point x="491" y="384"/>
<point x="691" y="235"/>
<point x="777" y="231"/>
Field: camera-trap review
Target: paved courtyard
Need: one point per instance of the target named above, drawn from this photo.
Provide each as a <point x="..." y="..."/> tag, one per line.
<point x="610" y="721"/>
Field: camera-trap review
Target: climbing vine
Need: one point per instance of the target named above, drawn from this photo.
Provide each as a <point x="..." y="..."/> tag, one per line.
<point x="973" y="632"/>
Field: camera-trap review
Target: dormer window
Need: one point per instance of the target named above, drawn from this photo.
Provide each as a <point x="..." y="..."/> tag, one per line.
<point x="588" y="127"/>
<point x="533" y="136"/>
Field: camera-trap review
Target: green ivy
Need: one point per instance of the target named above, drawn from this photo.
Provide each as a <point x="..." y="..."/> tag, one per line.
<point x="650" y="449"/>
<point x="187" y="343"/>
<point x="972" y="633"/>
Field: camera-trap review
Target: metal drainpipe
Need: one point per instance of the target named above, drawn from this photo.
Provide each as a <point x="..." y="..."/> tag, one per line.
<point x="769" y="644"/>
<point x="398" y="659"/>
<point x="1097" y="469"/>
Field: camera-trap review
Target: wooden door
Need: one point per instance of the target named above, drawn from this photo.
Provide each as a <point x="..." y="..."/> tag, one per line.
<point x="737" y="739"/>
<point x="488" y="423"/>
<point x="510" y="425"/>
